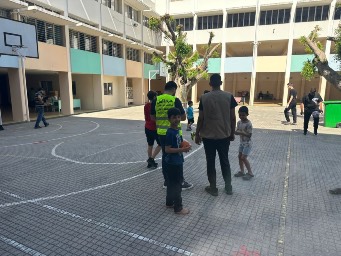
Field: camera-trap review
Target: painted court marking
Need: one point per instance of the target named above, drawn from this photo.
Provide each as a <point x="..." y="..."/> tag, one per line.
<point x="283" y="216"/>
<point x="20" y="247"/>
<point x="66" y="137"/>
<point x="85" y="190"/>
<point x="103" y="225"/>
<point x="29" y="135"/>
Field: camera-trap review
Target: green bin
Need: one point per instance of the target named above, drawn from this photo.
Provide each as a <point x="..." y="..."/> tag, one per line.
<point x="332" y="113"/>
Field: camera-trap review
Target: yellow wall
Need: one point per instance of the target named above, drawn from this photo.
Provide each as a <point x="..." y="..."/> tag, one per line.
<point x="271" y="63"/>
<point x="134" y="69"/>
<point x="51" y="57"/>
<point x="117" y="97"/>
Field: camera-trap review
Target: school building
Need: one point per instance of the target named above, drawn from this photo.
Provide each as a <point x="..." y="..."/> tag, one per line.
<point x="96" y="54"/>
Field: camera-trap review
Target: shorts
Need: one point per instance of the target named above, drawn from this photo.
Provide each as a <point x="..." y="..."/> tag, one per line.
<point x="191" y="121"/>
<point x="151" y="137"/>
<point x="245" y="149"/>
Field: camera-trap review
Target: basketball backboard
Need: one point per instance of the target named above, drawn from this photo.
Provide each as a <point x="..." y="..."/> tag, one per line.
<point x="18" y="38"/>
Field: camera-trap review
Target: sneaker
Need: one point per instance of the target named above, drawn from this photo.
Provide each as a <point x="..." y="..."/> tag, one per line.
<point x="293" y="123"/>
<point x="37" y="127"/>
<point x="170" y="206"/>
<point x="305" y="132"/>
<point x="192" y="135"/>
<point x="188" y="129"/>
<point x="211" y="191"/>
<point x="47" y="124"/>
<point x="184" y="211"/>
<point x="239" y="174"/>
<point x="185" y="185"/>
<point x="151" y="163"/>
<point x="315" y="132"/>
<point x="248" y="176"/>
<point x="228" y="190"/>
<point x="1" y="128"/>
<point x="286" y="122"/>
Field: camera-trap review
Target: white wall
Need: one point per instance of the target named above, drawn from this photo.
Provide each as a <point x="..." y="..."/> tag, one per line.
<point x="114" y="100"/>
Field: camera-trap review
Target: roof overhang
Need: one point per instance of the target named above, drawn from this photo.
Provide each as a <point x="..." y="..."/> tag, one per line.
<point x="137" y="4"/>
<point x="87" y="29"/>
<point x="12" y="4"/>
<point x="43" y="14"/>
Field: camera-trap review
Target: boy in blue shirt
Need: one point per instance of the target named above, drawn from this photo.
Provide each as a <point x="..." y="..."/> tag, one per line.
<point x="190" y="116"/>
<point x="174" y="162"/>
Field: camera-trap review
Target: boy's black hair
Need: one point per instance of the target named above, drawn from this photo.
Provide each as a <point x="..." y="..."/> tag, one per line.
<point x="190" y="102"/>
<point x="170" y="85"/>
<point x="215" y="80"/>
<point x="206" y="91"/>
<point x="173" y="112"/>
<point x="151" y="95"/>
<point x="243" y="109"/>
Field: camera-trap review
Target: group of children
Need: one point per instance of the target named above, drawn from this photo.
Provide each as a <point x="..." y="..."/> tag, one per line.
<point x="174" y="148"/>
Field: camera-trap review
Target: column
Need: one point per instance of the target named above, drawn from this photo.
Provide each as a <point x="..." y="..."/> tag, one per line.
<point x="98" y="81"/>
<point x="223" y="50"/>
<point x="65" y="81"/>
<point x="125" y="102"/>
<point x="254" y="57"/>
<point x="18" y="97"/>
<point x="278" y="89"/>
<point x="234" y="84"/>
<point x="289" y="54"/>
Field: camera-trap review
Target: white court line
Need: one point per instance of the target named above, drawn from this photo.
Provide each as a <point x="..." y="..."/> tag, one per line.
<point x="20" y="247"/>
<point x="88" y="189"/>
<point x="75" y="135"/>
<point x="103" y="225"/>
<point x="103" y="134"/>
<point x="35" y="134"/>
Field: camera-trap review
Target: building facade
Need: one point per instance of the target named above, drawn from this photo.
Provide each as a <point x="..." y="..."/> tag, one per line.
<point x="96" y="54"/>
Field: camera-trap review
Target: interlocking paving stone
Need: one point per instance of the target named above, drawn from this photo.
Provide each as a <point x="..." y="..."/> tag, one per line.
<point x="87" y="200"/>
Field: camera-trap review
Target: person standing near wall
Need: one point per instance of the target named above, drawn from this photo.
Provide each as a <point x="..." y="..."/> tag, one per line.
<point x="39" y="100"/>
<point x="312" y="105"/>
<point x="291" y="105"/>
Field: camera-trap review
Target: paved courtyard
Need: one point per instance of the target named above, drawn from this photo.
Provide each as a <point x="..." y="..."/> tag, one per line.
<point x="81" y="187"/>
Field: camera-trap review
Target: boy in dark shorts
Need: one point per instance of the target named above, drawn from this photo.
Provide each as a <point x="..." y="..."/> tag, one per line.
<point x="174" y="162"/>
<point x="190" y="116"/>
<point x="151" y="134"/>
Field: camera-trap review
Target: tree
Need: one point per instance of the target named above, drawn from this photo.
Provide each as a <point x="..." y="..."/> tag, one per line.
<point x="319" y="64"/>
<point x="183" y="63"/>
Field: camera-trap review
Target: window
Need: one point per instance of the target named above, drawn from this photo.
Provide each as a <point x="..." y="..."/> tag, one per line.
<point x="4" y="13"/>
<point x="274" y="17"/>
<point x="148" y="58"/>
<point x="113" y="4"/>
<point x="210" y="22"/>
<point x="145" y="21"/>
<point x="112" y="49"/>
<point x="187" y="23"/>
<point x="240" y="19"/>
<point x="133" y="54"/>
<point x="83" y="41"/>
<point x="312" y="13"/>
<point x="107" y="88"/>
<point x="74" y="88"/>
<point x="132" y="14"/>
<point x="47" y="32"/>
<point x="337" y="14"/>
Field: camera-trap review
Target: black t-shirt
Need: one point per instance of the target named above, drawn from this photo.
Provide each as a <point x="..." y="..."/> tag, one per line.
<point x="177" y="104"/>
<point x="311" y="102"/>
<point x="293" y="93"/>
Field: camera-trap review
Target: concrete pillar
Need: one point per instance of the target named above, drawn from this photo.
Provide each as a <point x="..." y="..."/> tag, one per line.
<point x="254" y="57"/>
<point x="223" y="51"/>
<point x="234" y="84"/>
<point x="66" y="97"/>
<point x="289" y="54"/>
<point x="302" y="92"/>
<point x="98" y="92"/>
<point x="18" y="97"/>
<point x="278" y="88"/>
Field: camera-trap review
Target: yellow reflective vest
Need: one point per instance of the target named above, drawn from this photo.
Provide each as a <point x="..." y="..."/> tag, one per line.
<point x="163" y="103"/>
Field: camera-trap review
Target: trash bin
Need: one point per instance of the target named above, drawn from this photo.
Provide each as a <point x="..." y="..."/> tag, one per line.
<point x="332" y="113"/>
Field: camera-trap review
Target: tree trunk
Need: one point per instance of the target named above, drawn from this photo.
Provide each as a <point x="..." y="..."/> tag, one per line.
<point x="329" y="74"/>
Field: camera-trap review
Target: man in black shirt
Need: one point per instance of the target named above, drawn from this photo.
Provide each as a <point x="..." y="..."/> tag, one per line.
<point x="291" y="105"/>
<point x="312" y="105"/>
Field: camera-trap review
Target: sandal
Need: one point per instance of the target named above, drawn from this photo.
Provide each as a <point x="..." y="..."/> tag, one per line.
<point x="248" y="176"/>
<point x="336" y="191"/>
<point x="239" y="174"/>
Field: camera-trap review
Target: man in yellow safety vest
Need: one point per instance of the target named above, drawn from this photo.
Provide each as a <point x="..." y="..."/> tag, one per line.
<point x="158" y="112"/>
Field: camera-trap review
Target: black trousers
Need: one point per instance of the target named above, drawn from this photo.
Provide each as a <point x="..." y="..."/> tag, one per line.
<point x="174" y="182"/>
<point x="222" y="147"/>
<point x="307" y="114"/>
<point x="292" y="107"/>
<point x="162" y="139"/>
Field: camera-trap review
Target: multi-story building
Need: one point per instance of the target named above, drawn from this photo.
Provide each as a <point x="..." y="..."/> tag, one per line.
<point x="100" y="51"/>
